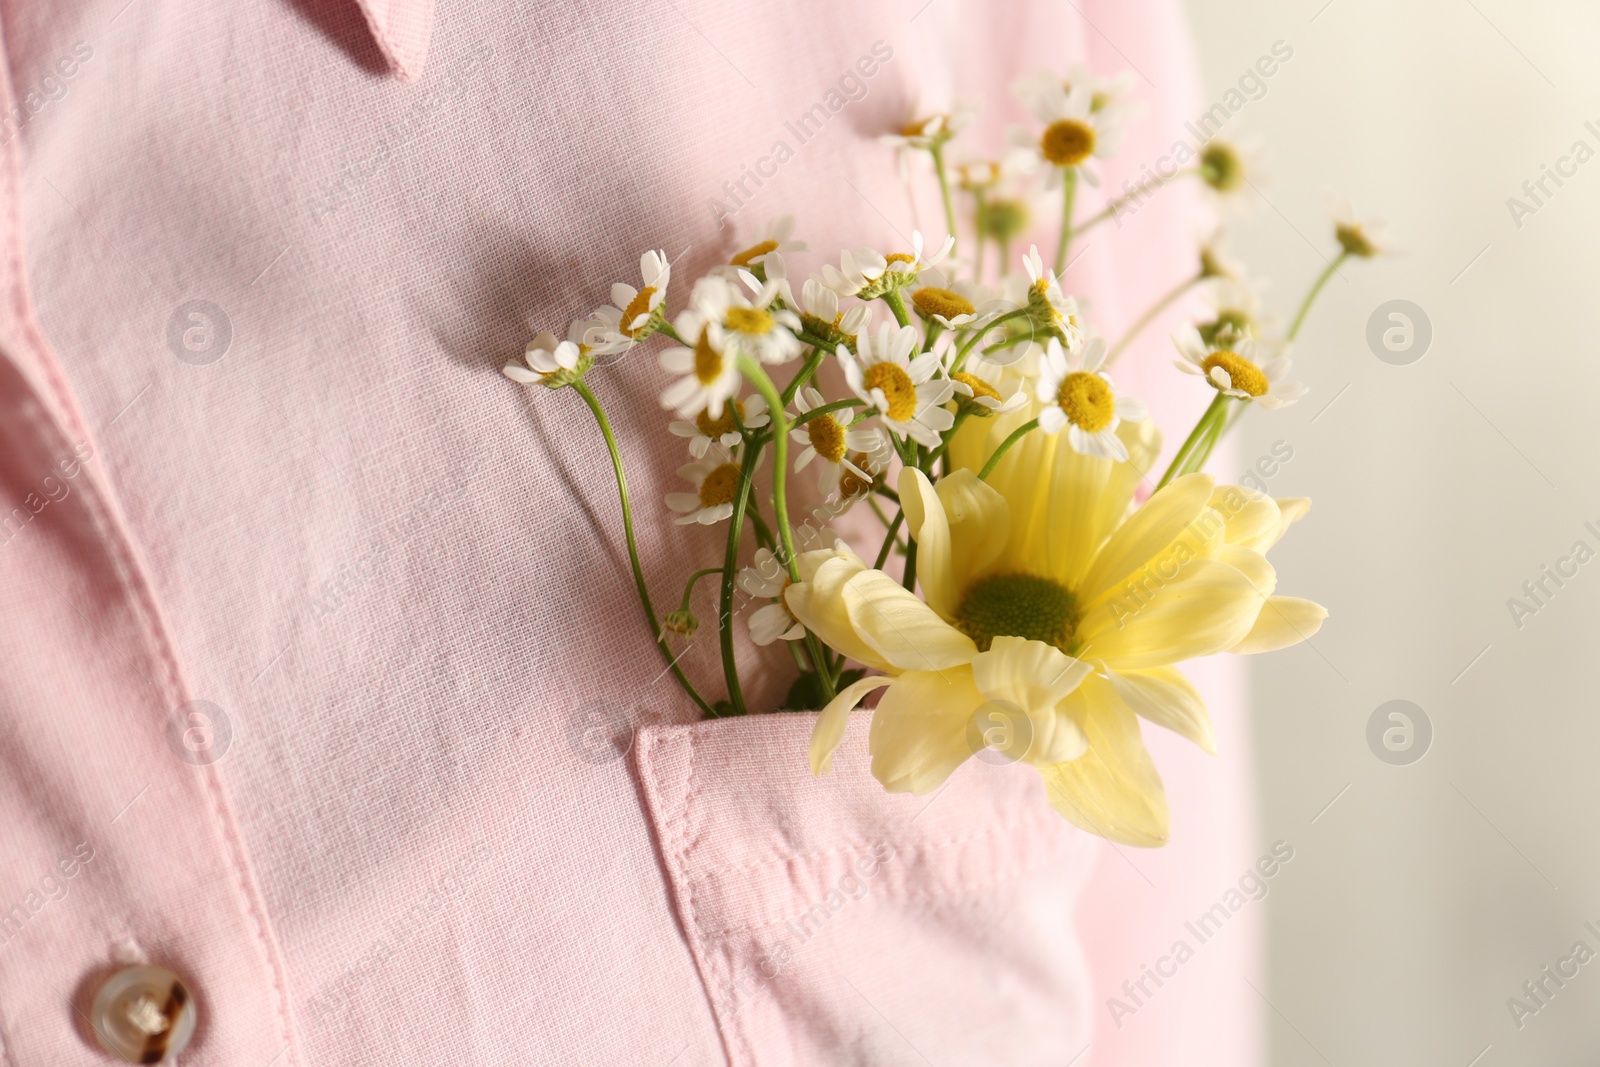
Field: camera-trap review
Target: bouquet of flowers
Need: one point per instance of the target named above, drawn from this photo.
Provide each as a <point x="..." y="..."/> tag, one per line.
<point x="1034" y="580"/>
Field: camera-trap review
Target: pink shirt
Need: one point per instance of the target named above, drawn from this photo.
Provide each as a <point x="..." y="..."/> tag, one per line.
<point x="320" y="652"/>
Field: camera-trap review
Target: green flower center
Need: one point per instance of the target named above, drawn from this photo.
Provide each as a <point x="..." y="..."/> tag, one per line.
<point x="1018" y="605"/>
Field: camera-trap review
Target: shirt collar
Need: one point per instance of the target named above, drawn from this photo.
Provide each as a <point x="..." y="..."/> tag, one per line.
<point x="402" y="29"/>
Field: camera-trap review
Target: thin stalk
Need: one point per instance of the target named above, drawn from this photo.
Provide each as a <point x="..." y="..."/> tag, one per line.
<point x="1216" y="410"/>
<point x="780" y="499"/>
<point x="897" y="305"/>
<point x="937" y="151"/>
<point x="1069" y="193"/>
<point x="980" y="208"/>
<point x="1005" y="446"/>
<point x="978" y="335"/>
<point x="688" y="588"/>
<point x="1150" y="316"/>
<point x="1111" y="209"/>
<point x="807" y="371"/>
<point x="604" y="423"/>
<point x="889" y="540"/>
<point x="1316" y="290"/>
<point x="824" y="409"/>
<point x="730" y="568"/>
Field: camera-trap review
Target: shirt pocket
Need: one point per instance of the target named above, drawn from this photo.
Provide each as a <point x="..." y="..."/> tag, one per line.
<point x="834" y="923"/>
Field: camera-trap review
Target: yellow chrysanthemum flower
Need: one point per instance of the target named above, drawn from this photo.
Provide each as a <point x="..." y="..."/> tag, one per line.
<point x="1044" y="594"/>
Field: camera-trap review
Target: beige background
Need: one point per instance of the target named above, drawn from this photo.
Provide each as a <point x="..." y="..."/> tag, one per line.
<point x="1427" y="894"/>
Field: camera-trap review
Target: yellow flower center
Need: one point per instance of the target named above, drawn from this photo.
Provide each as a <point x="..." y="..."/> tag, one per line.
<point x="1067" y="142"/>
<point x="1018" y="605"/>
<point x="1354" y="241"/>
<point x="639" y="305"/>
<point x="851" y="484"/>
<point x="827" y="437"/>
<point x="719" y="486"/>
<point x="743" y="258"/>
<point x="752" y="321"/>
<point x="900" y="257"/>
<point x="707" y="361"/>
<point x="1221" y="167"/>
<point x="715" y="428"/>
<point x="899" y="394"/>
<point x="1087" y="400"/>
<point x="942" y="302"/>
<point x="1246" y="376"/>
<point x="978" y="386"/>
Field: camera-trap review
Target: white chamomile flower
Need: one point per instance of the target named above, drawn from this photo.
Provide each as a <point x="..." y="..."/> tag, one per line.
<point x="776" y="240"/>
<point x="551" y="362"/>
<point x="819" y="311"/>
<point x="904" y="390"/>
<point x="980" y="396"/>
<point x="1107" y="92"/>
<point x="723" y="430"/>
<point x="1073" y="133"/>
<point x="635" y="308"/>
<point x="1235" y="312"/>
<point x="757" y="327"/>
<point x="944" y="303"/>
<point x="1358" y="237"/>
<point x="708" y="375"/>
<point x="928" y="133"/>
<point x="1049" y="308"/>
<point x="766" y="578"/>
<point x="1078" y="397"/>
<point x="716" y="482"/>
<point x="1226" y="166"/>
<point x="544" y="357"/>
<point x="831" y="444"/>
<point x="868" y="273"/>
<point x="1252" y="369"/>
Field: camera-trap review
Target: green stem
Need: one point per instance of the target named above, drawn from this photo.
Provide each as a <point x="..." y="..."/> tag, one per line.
<point x="978" y="335"/>
<point x="604" y="423"/>
<point x="897" y="305"/>
<point x="1005" y="446"/>
<point x="1316" y="290"/>
<point x="1150" y="316"/>
<point x="889" y="540"/>
<point x="1069" y="193"/>
<point x="935" y="327"/>
<point x="910" y="578"/>
<point x="824" y="409"/>
<point x="688" y="589"/>
<point x="813" y="361"/>
<point x="730" y="568"/>
<point x="1202" y="429"/>
<point x="980" y="208"/>
<point x="1111" y="209"/>
<point x="938" y="453"/>
<point x="780" y="499"/>
<point x="937" y="151"/>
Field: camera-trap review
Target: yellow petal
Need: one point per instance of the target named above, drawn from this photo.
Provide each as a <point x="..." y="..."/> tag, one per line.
<point x="930" y="529"/>
<point x="980" y="526"/>
<point x="1113" y="789"/>
<point x="1283" y="621"/>
<point x="819" y="605"/>
<point x="1210" y="607"/>
<point x="900" y="628"/>
<point x="1147" y="534"/>
<point x="1163" y="695"/>
<point x="919" y="730"/>
<point x="1254" y="566"/>
<point x="1253" y="517"/>
<point x="829" y="731"/>
<point x="1291" y="509"/>
<point x="1033" y="678"/>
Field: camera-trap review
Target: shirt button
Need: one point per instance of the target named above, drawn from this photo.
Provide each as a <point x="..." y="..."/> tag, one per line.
<point x="144" y="1015"/>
